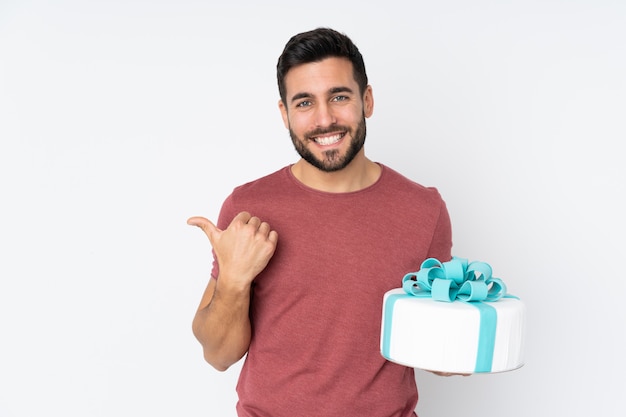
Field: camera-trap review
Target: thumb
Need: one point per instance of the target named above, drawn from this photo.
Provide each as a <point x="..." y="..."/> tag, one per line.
<point x="206" y="225"/>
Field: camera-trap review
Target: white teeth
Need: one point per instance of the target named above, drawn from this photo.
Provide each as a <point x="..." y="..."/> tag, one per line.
<point x="328" y="140"/>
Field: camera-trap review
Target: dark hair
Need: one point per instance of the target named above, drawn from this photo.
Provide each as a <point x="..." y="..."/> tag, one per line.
<point x="317" y="45"/>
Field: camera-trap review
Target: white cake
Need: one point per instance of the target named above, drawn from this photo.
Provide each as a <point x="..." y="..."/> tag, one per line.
<point x="455" y="336"/>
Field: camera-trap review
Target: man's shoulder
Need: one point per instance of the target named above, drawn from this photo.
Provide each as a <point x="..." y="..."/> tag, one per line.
<point x="267" y="181"/>
<point x="266" y="187"/>
<point x="395" y="182"/>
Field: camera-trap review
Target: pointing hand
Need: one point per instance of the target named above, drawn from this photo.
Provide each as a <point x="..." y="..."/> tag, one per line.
<point x="243" y="249"/>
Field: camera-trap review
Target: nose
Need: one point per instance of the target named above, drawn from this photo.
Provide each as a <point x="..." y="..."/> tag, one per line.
<point x="324" y="115"/>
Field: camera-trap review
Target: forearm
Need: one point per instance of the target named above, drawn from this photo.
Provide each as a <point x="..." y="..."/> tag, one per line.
<point x="222" y="324"/>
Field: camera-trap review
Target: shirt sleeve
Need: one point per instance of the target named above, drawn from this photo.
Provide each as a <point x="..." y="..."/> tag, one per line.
<point x="441" y="244"/>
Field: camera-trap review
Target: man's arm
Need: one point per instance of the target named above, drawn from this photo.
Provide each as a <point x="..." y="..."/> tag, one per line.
<point x="222" y="321"/>
<point x="222" y="326"/>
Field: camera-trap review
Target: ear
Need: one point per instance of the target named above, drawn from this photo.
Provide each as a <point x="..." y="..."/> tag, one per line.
<point x="368" y="101"/>
<point x="284" y="113"/>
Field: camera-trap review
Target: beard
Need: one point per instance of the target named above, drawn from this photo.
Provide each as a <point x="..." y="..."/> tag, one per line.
<point x="332" y="160"/>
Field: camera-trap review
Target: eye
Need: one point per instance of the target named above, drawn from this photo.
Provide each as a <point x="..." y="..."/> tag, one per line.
<point x="340" y="98"/>
<point x="304" y="103"/>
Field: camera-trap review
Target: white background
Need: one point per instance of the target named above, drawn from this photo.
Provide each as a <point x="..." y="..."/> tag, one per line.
<point x="119" y="119"/>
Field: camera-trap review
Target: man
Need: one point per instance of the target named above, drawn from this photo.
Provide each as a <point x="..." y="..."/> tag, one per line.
<point x="303" y="256"/>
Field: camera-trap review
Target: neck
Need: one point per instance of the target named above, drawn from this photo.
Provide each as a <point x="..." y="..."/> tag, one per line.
<point x="359" y="174"/>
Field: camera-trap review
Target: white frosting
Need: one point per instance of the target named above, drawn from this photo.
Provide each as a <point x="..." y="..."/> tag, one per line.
<point x="441" y="336"/>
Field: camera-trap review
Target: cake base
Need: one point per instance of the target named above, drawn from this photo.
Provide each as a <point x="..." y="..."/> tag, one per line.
<point x="454" y="337"/>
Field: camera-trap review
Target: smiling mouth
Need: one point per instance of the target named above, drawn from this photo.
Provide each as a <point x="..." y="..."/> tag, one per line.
<point x="328" y="140"/>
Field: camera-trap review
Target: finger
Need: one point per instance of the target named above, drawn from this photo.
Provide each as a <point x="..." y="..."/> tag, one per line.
<point x="273" y="237"/>
<point x="242" y="217"/>
<point x="197" y="221"/>
<point x="264" y="228"/>
<point x="255" y="222"/>
<point x="206" y="225"/>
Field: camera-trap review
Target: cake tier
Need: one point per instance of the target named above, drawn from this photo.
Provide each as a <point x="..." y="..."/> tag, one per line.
<point x="457" y="337"/>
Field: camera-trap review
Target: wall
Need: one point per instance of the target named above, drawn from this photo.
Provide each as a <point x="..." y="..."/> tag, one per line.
<point x="120" y="119"/>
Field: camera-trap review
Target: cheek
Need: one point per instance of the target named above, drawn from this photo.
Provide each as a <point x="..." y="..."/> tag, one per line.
<point x="299" y="123"/>
<point x="352" y="117"/>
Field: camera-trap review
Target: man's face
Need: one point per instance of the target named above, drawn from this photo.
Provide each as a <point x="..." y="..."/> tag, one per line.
<point x="325" y="113"/>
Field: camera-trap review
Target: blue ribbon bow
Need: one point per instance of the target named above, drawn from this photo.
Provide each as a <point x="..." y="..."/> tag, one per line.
<point x="454" y="280"/>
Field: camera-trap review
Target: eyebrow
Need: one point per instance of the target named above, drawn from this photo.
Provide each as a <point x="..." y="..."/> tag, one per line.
<point x="332" y="91"/>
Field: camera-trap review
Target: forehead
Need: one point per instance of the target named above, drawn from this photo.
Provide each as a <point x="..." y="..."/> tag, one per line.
<point x="319" y="77"/>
